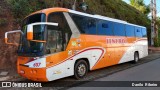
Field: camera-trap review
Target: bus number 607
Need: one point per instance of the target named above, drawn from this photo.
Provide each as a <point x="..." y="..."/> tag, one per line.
<point x="36" y="64"/>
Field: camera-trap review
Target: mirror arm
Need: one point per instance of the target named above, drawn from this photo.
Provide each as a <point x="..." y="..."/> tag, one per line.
<point x="6" y="36"/>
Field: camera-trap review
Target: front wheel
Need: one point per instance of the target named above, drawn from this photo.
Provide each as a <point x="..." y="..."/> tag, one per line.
<point x="80" y="69"/>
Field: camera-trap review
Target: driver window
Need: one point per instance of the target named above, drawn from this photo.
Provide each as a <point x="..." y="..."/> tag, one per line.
<point x="61" y="34"/>
<point x="54" y="40"/>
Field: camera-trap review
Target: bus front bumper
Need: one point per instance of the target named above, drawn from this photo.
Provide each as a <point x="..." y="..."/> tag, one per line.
<point x="34" y="74"/>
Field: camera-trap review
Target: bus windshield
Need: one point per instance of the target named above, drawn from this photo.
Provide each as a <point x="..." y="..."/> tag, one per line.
<point x="56" y="37"/>
<point x="30" y="48"/>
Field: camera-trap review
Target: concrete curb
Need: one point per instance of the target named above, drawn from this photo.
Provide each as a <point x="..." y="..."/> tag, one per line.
<point x="5" y="78"/>
<point x="154" y="49"/>
<point x="9" y="78"/>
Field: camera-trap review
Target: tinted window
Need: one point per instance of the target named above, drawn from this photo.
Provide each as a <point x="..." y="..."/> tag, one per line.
<point x="38" y="32"/>
<point x="130" y="31"/>
<point x="144" y="32"/>
<point x="34" y="18"/>
<point x="119" y="29"/>
<point x="90" y="26"/>
<point x="31" y="48"/>
<point x="105" y="28"/>
<point x="85" y="24"/>
<point x="138" y="32"/>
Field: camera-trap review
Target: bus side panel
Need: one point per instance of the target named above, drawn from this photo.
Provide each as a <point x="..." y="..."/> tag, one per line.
<point x="122" y="52"/>
<point x="140" y="45"/>
<point x="130" y="49"/>
<point x="66" y="68"/>
<point x="109" y="57"/>
<point x="114" y="51"/>
<point x="64" y="62"/>
<point x="93" y="41"/>
<point x="56" y="72"/>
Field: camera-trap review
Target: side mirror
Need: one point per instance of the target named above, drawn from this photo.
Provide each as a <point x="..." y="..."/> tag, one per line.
<point x="30" y="30"/>
<point x="6" y="36"/>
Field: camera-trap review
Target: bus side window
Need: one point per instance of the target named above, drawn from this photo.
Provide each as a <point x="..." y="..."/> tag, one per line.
<point x="105" y="28"/>
<point x="138" y="32"/>
<point x="91" y="26"/>
<point x="130" y="31"/>
<point x="119" y="29"/>
<point x="79" y="22"/>
<point x="144" y="32"/>
<point x="86" y="25"/>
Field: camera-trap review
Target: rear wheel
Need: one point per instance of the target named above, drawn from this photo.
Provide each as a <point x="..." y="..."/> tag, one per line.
<point x="136" y="57"/>
<point x="80" y="69"/>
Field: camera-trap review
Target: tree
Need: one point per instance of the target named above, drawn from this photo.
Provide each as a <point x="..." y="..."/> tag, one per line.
<point x="140" y="5"/>
<point x="158" y="28"/>
<point x="158" y="25"/>
<point x="158" y="21"/>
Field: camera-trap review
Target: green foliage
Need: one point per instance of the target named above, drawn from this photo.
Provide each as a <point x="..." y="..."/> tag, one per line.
<point x="158" y="22"/>
<point x="139" y="5"/>
<point x="19" y="7"/>
<point x="3" y="21"/>
<point x="1" y="11"/>
<point x="118" y="9"/>
<point x="22" y="8"/>
<point x="111" y="8"/>
<point x="157" y="43"/>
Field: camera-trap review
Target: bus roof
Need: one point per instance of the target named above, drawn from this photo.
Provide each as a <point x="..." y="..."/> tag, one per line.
<point x="50" y="10"/>
<point x="56" y="9"/>
<point x="103" y="18"/>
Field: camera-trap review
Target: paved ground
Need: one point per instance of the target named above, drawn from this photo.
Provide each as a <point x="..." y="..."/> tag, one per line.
<point x="144" y="72"/>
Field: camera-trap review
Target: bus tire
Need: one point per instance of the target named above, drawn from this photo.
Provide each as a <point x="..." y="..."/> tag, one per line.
<point x="80" y="69"/>
<point x="136" y="57"/>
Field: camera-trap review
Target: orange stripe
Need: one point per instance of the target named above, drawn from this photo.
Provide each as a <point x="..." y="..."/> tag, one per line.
<point x="76" y="55"/>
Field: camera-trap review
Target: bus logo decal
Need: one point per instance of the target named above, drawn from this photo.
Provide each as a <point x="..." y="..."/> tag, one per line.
<point x="116" y="40"/>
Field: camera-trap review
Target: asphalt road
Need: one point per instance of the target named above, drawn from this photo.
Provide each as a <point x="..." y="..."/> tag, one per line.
<point x="144" y="72"/>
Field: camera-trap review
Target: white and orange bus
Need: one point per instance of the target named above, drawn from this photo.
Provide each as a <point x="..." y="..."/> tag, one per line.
<point x="59" y="42"/>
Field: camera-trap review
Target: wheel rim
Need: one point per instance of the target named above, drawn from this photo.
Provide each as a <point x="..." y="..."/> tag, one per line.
<point x="81" y="70"/>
